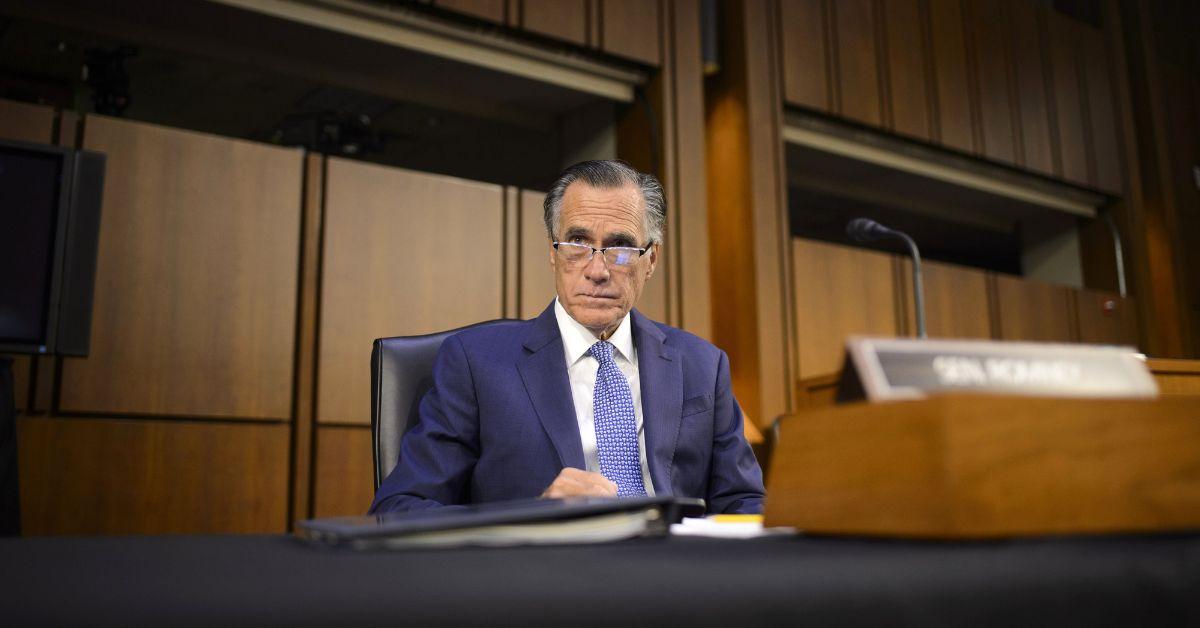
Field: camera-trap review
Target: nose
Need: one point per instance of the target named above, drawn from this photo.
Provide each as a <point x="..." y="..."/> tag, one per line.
<point x="596" y="269"/>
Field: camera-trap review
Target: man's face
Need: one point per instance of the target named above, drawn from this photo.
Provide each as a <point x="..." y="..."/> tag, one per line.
<point x="593" y="293"/>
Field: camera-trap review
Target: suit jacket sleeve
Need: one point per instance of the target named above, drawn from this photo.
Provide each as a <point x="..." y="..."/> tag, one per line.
<point x="438" y="454"/>
<point x="735" y="484"/>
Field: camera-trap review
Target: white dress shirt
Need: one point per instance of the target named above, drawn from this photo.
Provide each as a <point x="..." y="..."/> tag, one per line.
<point x="581" y="371"/>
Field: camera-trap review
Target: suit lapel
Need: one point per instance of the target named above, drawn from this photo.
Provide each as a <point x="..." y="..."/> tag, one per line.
<point x="543" y="370"/>
<point x="662" y="398"/>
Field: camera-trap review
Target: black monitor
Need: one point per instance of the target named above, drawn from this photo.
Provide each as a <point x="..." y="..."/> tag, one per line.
<point x="50" y="200"/>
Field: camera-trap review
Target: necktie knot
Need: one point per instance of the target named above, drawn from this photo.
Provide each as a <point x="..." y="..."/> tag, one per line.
<point x="602" y="351"/>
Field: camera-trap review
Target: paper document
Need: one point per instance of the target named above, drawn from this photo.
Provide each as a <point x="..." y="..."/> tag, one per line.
<point x="727" y="527"/>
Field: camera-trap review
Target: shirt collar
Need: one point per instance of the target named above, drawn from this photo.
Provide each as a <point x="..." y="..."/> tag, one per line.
<point x="577" y="339"/>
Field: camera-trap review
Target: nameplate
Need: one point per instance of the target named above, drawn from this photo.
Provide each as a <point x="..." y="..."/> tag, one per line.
<point x="894" y="368"/>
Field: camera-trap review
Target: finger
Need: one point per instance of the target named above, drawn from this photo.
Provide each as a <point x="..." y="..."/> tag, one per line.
<point x="603" y="485"/>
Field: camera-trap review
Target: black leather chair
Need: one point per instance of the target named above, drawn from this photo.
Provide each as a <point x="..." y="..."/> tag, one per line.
<point x="401" y="373"/>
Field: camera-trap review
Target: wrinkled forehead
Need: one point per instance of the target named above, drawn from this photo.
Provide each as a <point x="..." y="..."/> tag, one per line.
<point x="603" y="211"/>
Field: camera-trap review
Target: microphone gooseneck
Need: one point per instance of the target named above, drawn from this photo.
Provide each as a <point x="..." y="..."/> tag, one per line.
<point x="867" y="230"/>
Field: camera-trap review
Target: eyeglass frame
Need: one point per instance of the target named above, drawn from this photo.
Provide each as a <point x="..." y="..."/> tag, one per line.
<point x="641" y="252"/>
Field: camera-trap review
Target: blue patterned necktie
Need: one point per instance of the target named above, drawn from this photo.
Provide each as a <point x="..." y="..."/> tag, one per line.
<point x="616" y="424"/>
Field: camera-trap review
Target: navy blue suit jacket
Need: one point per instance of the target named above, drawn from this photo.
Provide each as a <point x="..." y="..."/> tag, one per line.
<point x="499" y="422"/>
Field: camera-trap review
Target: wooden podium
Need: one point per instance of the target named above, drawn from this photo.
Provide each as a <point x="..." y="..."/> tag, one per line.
<point x="974" y="466"/>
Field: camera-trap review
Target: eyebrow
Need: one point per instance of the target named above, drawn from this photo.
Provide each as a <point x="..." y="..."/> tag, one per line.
<point x="619" y="238"/>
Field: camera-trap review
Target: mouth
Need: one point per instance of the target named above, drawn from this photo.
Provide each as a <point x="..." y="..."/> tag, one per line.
<point x="598" y="297"/>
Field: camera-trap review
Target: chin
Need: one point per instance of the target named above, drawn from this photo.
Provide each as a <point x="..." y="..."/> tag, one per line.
<point x="597" y="316"/>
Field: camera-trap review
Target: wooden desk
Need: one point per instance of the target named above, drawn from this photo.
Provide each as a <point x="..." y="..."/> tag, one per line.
<point x="1176" y="377"/>
<point x="975" y="466"/>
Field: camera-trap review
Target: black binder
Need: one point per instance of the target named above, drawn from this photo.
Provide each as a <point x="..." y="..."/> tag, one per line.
<point x="519" y="522"/>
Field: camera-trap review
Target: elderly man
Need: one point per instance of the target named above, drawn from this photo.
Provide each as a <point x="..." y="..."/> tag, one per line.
<point x="589" y="398"/>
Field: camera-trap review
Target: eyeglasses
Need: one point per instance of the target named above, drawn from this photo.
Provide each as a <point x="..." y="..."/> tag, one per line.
<point x="614" y="256"/>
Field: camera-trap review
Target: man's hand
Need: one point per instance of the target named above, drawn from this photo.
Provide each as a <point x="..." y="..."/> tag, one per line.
<point x="573" y="482"/>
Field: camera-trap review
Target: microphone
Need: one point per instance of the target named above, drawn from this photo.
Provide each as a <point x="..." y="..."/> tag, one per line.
<point x="867" y="230"/>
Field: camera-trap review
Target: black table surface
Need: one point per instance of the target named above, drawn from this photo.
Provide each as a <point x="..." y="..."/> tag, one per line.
<point x="280" y="580"/>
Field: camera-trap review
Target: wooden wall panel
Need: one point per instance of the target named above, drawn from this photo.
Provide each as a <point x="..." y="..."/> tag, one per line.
<point x="1105" y="318"/>
<point x="806" y="80"/>
<point x="21" y="371"/>
<point x="490" y="10"/>
<point x="956" y="300"/>
<point x="839" y="291"/>
<point x="630" y="28"/>
<point x="1032" y="310"/>
<point x="857" y="61"/>
<point x="1101" y="104"/>
<point x="654" y="301"/>
<point x="536" y="276"/>
<point x="196" y="276"/>
<point x="990" y="41"/>
<point x="684" y="177"/>
<point x="747" y="213"/>
<point x="26" y="122"/>
<point x="908" y="77"/>
<point x="951" y="73"/>
<point x="561" y="19"/>
<point x="114" y="476"/>
<point x="1064" y="40"/>
<point x="404" y="253"/>
<point x="345" y="470"/>
<point x="1027" y="24"/>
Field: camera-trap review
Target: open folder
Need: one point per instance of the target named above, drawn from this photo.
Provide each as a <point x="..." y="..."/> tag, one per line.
<point x="520" y="522"/>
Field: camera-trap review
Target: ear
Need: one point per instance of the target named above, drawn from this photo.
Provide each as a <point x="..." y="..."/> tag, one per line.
<point x="653" y="254"/>
<point x="553" y="257"/>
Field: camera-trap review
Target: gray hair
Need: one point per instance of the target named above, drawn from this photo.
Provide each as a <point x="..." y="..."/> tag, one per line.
<point x="607" y="174"/>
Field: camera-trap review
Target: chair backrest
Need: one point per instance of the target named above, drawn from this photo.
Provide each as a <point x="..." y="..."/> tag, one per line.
<point x="401" y="373"/>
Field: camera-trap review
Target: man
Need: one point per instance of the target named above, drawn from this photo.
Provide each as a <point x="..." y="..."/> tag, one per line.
<point x="590" y="398"/>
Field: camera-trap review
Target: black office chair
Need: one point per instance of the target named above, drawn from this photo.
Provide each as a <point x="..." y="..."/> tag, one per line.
<point x="401" y="373"/>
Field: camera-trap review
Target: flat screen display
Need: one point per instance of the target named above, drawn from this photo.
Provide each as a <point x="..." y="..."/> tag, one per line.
<point x="30" y="187"/>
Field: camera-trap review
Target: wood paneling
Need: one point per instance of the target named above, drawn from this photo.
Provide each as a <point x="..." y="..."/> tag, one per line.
<point x="114" y="476"/>
<point x="1102" y="115"/>
<point x="404" y="253"/>
<point x="306" y="337"/>
<point x="839" y="291"/>
<point x="490" y="10"/>
<point x="857" y="61"/>
<point x="956" y="300"/>
<point x="561" y="19"/>
<point x="21" y="371"/>
<point x="26" y="122"/>
<point x="908" y="76"/>
<point x="196" y="279"/>
<point x="747" y="220"/>
<point x="1030" y="70"/>
<point x="1032" y="310"/>
<point x="537" y="277"/>
<point x="630" y="28"/>
<point x="344" y="472"/>
<point x="684" y="179"/>
<point x="805" y="54"/>
<point x="1105" y="318"/>
<point x="954" y="101"/>
<point x="993" y="69"/>
<point x="1064" y="41"/>
<point x="512" y="252"/>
